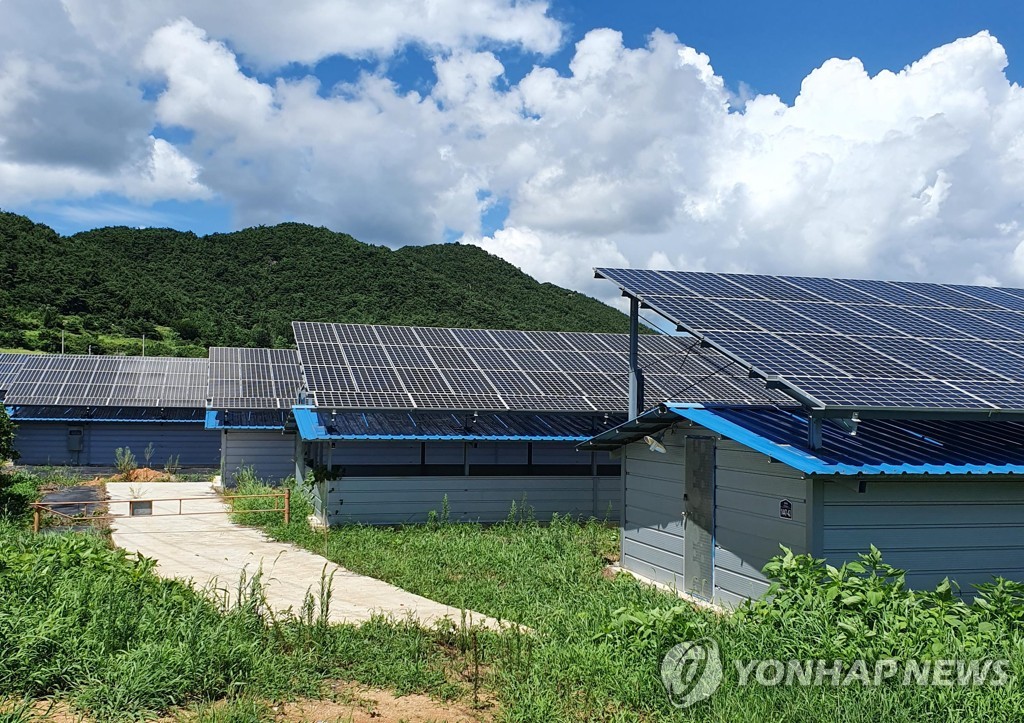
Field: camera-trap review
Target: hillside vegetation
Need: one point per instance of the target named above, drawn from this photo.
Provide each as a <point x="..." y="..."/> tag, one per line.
<point x="108" y="287"/>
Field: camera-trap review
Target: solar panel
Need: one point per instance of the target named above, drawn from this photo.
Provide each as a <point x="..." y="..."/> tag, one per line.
<point x="496" y="370"/>
<point x="853" y="343"/>
<point x="243" y="378"/>
<point x="106" y="381"/>
<point x="10" y="365"/>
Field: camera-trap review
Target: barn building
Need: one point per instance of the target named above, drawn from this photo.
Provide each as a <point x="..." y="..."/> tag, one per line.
<point x="902" y="428"/>
<point x="249" y="401"/>
<point x="77" y="410"/>
<point x="400" y="418"/>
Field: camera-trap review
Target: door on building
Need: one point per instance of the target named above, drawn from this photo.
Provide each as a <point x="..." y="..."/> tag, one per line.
<point x="698" y="520"/>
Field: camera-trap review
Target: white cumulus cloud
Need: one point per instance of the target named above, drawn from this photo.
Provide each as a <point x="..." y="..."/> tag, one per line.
<point x="632" y="156"/>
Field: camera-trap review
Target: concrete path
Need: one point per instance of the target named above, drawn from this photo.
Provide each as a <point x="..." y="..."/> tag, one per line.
<point x="210" y="550"/>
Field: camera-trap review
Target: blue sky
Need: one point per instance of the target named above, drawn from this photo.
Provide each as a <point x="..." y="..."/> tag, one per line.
<point x="526" y="128"/>
<point x="772" y="46"/>
<point x="766" y="46"/>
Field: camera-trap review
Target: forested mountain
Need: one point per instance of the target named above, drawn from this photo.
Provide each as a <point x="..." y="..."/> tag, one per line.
<point x="108" y="287"/>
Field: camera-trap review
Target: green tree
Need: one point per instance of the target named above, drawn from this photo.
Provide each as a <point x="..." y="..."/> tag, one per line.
<point x="245" y="288"/>
<point x="7" y="430"/>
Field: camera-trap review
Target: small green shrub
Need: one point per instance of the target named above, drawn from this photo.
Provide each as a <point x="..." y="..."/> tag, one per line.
<point x="863" y="609"/>
<point x="147" y="453"/>
<point x="125" y="462"/>
<point x="173" y="464"/>
<point x="247" y="483"/>
<point x="18" y="491"/>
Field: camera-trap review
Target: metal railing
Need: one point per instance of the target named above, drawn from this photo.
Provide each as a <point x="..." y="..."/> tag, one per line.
<point x="136" y="507"/>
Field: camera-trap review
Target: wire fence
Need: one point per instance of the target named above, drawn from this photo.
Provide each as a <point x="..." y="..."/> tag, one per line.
<point x="147" y="508"/>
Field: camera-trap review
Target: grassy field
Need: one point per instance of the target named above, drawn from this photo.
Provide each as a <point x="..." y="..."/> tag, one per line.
<point x="599" y="639"/>
<point x="94" y="628"/>
<point x="166" y="343"/>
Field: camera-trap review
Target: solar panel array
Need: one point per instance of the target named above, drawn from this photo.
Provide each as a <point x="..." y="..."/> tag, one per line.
<point x="350" y="366"/>
<point x="108" y="381"/>
<point x="254" y="378"/>
<point x="10" y="365"/>
<point x="854" y="343"/>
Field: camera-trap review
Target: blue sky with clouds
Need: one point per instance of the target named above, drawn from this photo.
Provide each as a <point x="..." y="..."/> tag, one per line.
<point x="868" y="139"/>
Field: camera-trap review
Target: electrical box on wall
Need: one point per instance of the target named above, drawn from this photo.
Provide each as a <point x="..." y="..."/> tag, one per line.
<point x="76" y="439"/>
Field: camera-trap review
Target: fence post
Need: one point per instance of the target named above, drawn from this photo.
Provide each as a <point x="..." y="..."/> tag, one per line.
<point x="287" y="505"/>
<point x="35" y="520"/>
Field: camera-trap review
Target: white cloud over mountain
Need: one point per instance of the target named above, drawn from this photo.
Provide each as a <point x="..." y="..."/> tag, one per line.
<point x="636" y="156"/>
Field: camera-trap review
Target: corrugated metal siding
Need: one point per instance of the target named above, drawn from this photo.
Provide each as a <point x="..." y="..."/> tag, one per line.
<point x="270" y="453"/>
<point x="42" y="443"/>
<point x="966" y="528"/>
<point x="652" y="532"/>
<point x="192" y="444"/>
<point x="46" y="443"/>
<point x="398" y="500"/>
<point x="748" y="528"/>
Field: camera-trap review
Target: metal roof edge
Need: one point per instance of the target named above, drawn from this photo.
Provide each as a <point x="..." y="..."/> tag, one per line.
<point x="311" y="430"/>
<point x="798" y="459"/>
<point x="308" y="424"/>
<point x="808" y="463"/>
<point x="452" y="437"/>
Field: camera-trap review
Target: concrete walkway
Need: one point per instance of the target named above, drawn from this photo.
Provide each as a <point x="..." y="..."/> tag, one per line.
<point x="210" y="550"/>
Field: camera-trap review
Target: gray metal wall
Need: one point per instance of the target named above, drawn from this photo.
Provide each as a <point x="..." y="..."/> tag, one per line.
<point x="652" y="528"/>
<point x="269" y="452"/>
<point x="747" y="524"/>
<point x="44" y="443"/>
<point x="398" y="500"/>
<point x="966" y="528"/>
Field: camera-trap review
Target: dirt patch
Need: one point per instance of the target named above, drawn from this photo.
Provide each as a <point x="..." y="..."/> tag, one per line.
<point x="610" y="572"/>
<point x="360" y="704"/>
<point x="142" y="474"/>
<point x="347" y="702"/>
<point x="41" y="710"/>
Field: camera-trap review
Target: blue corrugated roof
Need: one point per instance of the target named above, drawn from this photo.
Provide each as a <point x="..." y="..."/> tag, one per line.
<point x="485" y="426"/>
<point x="247" y="419"/>
<point x="73" y="414"/>
<point x="880" y="446"/>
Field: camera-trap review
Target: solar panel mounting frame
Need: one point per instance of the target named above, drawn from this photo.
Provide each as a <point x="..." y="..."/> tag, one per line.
<point x="787" y="385"/>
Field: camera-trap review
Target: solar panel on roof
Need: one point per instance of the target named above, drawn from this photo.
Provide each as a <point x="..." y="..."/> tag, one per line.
<point x="10" y="365"/>
<point x="51" y="379"/>
<point x="475" y="369"/>
<point x="853" y="343"/>
<point x="242" y="378"/>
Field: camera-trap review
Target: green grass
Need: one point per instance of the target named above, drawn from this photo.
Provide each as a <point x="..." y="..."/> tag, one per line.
<point x="91" y="625"/>
<point x="168" y="344"/>
<point x="598" y="642"/>
<point x="84" y="623"/>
